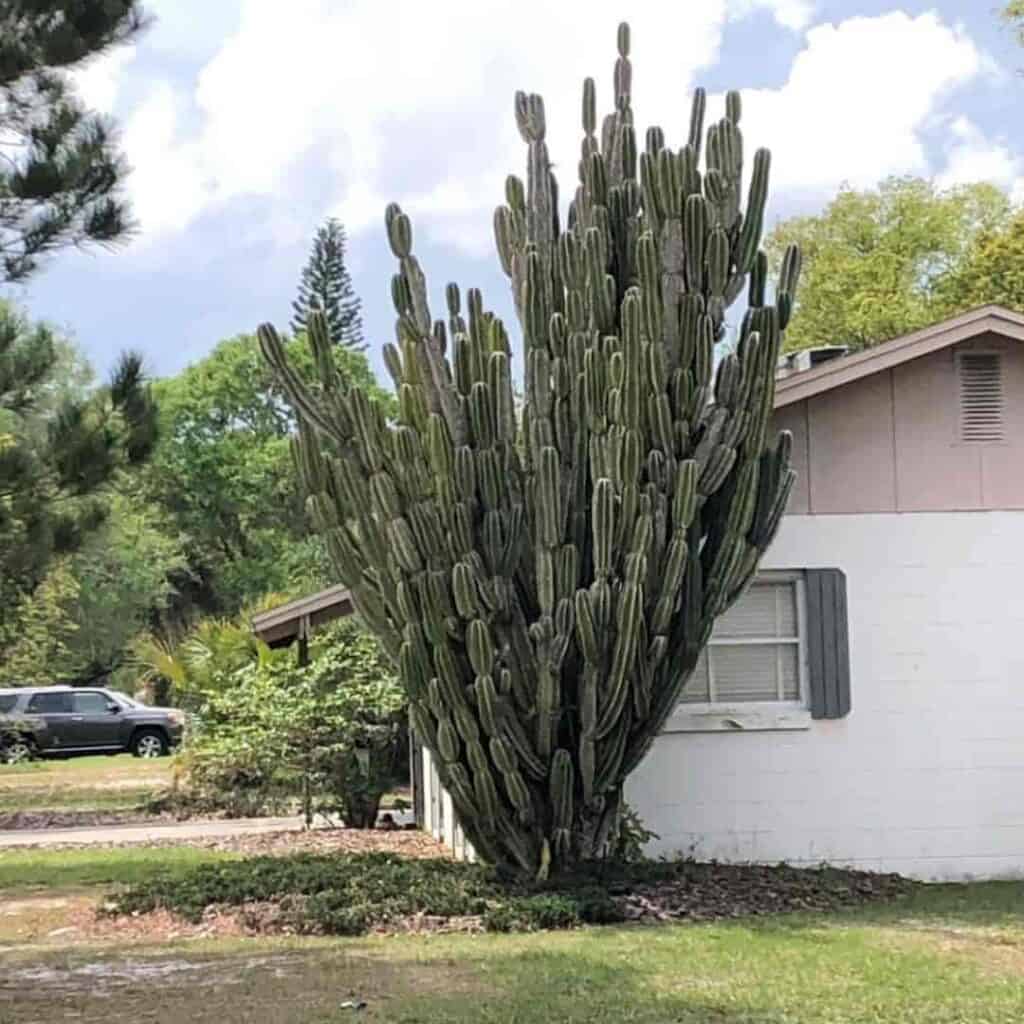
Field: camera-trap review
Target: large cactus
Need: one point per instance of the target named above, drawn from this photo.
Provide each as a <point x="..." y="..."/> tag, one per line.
<point x="546" y="577"/>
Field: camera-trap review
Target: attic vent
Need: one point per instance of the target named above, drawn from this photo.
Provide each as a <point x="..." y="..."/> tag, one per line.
<point x="981" y="397"/>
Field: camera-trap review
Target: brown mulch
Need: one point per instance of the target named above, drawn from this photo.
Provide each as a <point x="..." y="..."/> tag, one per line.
<point x="406" y="842"/>
<point x="710" y="891"/>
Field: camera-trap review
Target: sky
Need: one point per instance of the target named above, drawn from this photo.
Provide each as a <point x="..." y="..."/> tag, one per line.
<point x="248" y="122"/>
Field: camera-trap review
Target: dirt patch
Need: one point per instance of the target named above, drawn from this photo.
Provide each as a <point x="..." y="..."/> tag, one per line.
<point x="296" y="985"/>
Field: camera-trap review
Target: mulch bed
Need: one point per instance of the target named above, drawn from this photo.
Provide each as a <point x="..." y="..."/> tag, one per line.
<point x="698" y="893"/>
<point x="708" y="892"/>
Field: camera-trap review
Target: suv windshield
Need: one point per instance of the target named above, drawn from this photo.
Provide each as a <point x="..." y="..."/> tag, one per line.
<point x="123" y="698"/>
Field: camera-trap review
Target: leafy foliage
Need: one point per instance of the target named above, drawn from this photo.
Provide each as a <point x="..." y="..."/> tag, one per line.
<point x="37" y="642"/>
<point x="63" y="448"/>
<point x="878" y="263"/>
<point x="327" y="286"/>
<point x="61" y="176"/>
<point x="124" y="573"/>
<point x="222" y="475"/>
<point x="332" y="733"/>
<point x="993" y="271"/>
<point x="351" y="894"/>
<point x="207" y="660"/>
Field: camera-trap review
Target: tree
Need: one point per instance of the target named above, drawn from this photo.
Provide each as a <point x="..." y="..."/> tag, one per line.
<point x="875" y="261"/>
<point x="993" y="271"/>
<point x="331" y="733"/>
<point x="545" y="582"/>
<point x="222" y="473"/>
<point x="90" y="605"/>
<point x="1013" y="15"/>
<point x="63" y="445"/>
<point x="61" y="173"/>
<point x="37" y="643"/>
<point x="327" y="286"/>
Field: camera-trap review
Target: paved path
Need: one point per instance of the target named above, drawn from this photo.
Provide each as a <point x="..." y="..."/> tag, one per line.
<point x="142" y="833"/>
<point x="150" y="833"/>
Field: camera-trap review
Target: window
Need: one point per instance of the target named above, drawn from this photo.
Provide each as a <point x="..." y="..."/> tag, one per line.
<point x="90" y="703"/>
<point x="50" y="704"/>
<point x="981" y="397"/>
<point x="756" y="652"/>
<point x="7" y="702"/>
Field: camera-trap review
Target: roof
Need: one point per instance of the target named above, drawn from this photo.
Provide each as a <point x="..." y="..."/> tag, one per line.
<point x="836" y="372"/>
<point x="283" y="624"/>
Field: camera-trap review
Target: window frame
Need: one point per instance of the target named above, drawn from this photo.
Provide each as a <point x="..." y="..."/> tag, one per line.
<point x="107" y="702"/>
<point x="740" y="716"/>
<point x="29" y="710"/>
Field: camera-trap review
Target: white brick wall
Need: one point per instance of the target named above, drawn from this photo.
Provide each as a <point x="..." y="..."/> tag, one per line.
<point x="926" y="774"/>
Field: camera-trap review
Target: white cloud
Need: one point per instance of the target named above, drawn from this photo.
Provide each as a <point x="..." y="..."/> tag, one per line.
<point x="972" y="156"/>
<point x="858" y="99"/>
<point x="791" y="14"/>
<point x="391" y="94"/>
<point x="166" y="184"/>
<point x="393" y="101"/>
<point x="97" y="83"/>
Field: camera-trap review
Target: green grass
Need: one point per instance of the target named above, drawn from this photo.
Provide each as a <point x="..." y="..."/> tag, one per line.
<point x="33" y="870"/>
<point x="100" y="783"/>
<point x="947" y="955"/>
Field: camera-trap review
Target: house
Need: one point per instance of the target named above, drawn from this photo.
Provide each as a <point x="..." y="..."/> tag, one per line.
<point x="863" y="702"/>
<point x="903" y="548"/>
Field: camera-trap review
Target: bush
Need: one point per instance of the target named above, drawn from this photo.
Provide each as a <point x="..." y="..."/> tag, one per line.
<point x="331" y="735"/>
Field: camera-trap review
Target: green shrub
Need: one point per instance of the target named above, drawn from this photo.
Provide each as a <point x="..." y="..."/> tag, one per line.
<point x="331" y="735"/>
<point x="350" y="894"/>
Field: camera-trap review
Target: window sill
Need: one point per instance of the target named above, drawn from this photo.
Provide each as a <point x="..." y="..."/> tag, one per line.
<point x="738" y="718"/>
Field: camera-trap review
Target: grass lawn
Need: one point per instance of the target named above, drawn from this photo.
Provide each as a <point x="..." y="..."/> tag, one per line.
<point x="28" y="870"/>
<point x="101" y="783"/>
<point x="115" y="784"/>
<point x="949" y="955"/>
<point x="943" y="955"/>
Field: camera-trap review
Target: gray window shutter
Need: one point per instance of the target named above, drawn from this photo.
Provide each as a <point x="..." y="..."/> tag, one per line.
<point x="828" y="645"/>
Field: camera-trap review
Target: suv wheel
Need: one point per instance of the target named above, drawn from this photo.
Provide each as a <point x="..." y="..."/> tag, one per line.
<point x="149" y="743"/>
<point x="17" y="752"/>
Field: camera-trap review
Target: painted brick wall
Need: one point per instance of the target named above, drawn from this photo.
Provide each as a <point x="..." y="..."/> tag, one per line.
<point x="926" y="774"/>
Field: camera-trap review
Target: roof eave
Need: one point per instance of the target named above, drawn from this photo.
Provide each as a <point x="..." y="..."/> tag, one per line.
<point x="837" y="372"/>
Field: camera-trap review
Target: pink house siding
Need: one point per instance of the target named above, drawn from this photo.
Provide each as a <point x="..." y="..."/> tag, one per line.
<point x="889" y="441"/>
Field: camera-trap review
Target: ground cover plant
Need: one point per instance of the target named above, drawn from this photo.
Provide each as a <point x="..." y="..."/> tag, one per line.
<point x="353" y="894"/>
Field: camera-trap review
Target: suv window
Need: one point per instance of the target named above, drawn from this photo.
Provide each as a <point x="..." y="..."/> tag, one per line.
<point x="7" y="703"/>
<point x="90" y="703"/>
<point x="50" y="704"/>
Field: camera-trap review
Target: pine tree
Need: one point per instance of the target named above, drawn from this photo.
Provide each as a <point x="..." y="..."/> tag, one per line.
<point x="327" y="286"/>
<point x="61" y="176"/>
<point x="60" y="449"/>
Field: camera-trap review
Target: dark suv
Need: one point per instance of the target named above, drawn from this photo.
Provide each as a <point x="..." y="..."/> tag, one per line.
<point x="64" y="720"/>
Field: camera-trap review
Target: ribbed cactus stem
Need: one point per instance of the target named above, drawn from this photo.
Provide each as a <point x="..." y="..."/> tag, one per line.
<point x="546" y="572"/>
